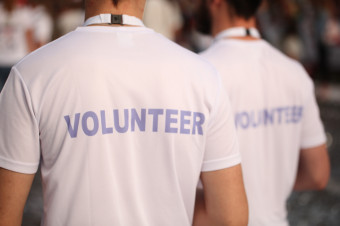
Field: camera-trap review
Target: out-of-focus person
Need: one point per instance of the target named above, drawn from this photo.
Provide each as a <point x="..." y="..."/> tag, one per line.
<point x="331" y="36"/>
<point x="16" y="35"/>
<point x="327" y="35"/>
<point x="164" y="16"/>
<point x="71" y="16"/>
<point x="282" y="140"/>
<point x="42" y="23"/>
<point x="273" y="19"/>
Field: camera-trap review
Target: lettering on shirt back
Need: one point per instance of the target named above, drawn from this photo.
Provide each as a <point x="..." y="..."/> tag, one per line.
<point x="132" y="120"/>
<point x="267" y="117"/>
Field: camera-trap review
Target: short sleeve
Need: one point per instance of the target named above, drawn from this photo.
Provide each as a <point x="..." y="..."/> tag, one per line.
<point x="222" y="150"/>
<point x="19" y="133"/>
<point x="312" y="129"/>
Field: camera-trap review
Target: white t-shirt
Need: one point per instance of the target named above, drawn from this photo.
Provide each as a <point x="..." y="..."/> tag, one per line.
<point x="163" y="16"/>
<point x="13" y="28"/>
<point x="123" y="122"/>
<point x="276" y="115"/>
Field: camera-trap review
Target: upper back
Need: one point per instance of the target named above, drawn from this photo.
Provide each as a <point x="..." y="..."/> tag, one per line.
<point x="258" y="72"/>
<point x="130" y="106"/>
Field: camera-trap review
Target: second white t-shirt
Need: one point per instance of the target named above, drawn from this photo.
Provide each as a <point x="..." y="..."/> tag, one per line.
<point x="276" y="115"/>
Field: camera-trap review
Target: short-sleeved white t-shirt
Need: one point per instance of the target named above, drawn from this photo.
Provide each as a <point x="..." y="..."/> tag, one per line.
<point x="13" y="28"/>
<point x="123" y="122"/>
<point x="275" y="115"/>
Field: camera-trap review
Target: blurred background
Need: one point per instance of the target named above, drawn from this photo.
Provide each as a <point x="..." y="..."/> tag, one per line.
<point x="306" y="30"/>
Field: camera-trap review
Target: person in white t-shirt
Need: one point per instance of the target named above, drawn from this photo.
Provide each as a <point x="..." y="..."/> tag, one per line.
<point x="122" y="135"/>
<point x="281" y="137"/>
<point x="16" y="35"/>
<point x="43" y="23"/>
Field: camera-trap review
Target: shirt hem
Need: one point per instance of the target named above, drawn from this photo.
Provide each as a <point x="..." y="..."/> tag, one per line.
<point x="26" y="168"/>
<point x="221" y="163"/>
<point x="314" y="142"/>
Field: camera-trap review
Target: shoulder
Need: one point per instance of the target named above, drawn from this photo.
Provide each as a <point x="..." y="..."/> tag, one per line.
<point x="275" y="55"/>
<point x="181" y="56"/>
<point x="45" y="60"/>
<point x="183" y="64"/>
<point x="293" y="75"/>
<point x="279" y="61"/>
<point x="213" y="51"/>
<point x="40" y="54"/>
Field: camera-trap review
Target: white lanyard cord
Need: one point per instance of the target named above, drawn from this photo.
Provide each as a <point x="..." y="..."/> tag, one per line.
<point x="114" y="19"/>
<point x="238" y="32"/>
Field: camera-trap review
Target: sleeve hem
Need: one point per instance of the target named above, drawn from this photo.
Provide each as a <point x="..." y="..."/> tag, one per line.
<point x="314" y="142"/>
<point x="221" y="163"/>
<point x="26" y="168"/>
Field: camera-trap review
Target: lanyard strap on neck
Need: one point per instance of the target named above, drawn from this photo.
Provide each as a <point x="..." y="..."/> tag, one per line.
<point x="238" y="32"/>
<point x="114" y="19"/>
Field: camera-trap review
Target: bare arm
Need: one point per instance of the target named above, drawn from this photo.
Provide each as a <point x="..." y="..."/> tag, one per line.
<point x="314" y="169"/>
<point x="223" y="201"/>
<point x="14" y="189"/>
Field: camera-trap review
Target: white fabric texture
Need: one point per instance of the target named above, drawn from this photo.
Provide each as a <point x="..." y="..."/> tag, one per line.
<point x="275" y="115"/>
<point x="13" y="28"/>
<point x="124" y="121"/>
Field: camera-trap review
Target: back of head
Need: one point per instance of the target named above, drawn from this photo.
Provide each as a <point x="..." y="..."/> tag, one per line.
<point x="115" y="2"/>
<point x="244" y="8"/>
<point x="9" y="5"/>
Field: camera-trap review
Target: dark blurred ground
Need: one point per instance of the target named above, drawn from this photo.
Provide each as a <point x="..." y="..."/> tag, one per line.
<point x="305" y="208"/>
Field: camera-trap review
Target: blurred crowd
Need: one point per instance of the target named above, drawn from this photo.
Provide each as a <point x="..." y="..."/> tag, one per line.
<point x="307" y="30"/>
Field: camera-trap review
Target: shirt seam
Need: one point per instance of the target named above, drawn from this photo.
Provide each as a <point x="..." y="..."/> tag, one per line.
<point x="18" y="162"/>
<point x="29" y="97"/>
<point x="222" y="159"/>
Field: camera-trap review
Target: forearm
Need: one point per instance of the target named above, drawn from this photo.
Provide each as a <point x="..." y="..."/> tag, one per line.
<point x="223" y="200"/>
<point x="203" y="218"/>
<point x="313" y="170"/>
<point x="305" y="181"/>
<point x="14" y="189"/>
<point x="200" y="214"/>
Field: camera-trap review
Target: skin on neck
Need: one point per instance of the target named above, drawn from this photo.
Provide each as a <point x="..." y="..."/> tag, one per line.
<point x="222" y="20"/>
<point x="129" y="7"/>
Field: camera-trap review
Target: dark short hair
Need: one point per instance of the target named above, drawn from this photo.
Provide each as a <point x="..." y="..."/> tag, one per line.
<point x="244" y="8"/>
<point x="115" y="2"/>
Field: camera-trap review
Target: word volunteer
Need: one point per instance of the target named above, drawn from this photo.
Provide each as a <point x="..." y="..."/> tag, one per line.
<point x="278" y="115"/>
<point x="127" y="120"/>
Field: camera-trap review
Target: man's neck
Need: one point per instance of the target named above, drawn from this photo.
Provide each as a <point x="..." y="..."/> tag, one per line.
<point x="223" y="24"/>
<point x="94" y="8"/>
